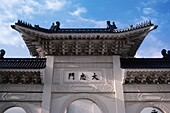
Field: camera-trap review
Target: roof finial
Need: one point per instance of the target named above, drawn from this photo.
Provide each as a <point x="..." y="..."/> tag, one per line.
<point x="55" y="27"/>
<point x="165" y="54"/>
<point x="111" y="27"/>
<point x="2" y="53"/>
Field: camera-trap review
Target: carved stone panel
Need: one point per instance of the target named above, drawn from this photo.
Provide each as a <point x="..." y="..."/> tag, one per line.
<point x="20" y="96"/>
<point x="83" y="88"/>
<point x="147" y="77"/>
<point x="82" y="76"/>
<point x="86" y="59"/>
<point x="147" y="97"/>
<point x="21" y="87"/>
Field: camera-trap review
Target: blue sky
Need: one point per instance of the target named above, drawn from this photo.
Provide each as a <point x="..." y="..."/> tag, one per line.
<point x="85" y="13"/>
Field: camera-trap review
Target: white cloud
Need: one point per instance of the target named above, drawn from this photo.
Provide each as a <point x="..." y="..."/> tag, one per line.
<point x="27" y="9"/>
<point x="55" y="4"/>
<point x="6" y="4"/>
<point x="9" y="14"/>
<point x="148" y="10"/>
<point x="153" y="2"/>
<point x="151" y="47"/>
<point x="9" y="37"/>
<point x="78" y="11"/>
<point x="85" y="22"/>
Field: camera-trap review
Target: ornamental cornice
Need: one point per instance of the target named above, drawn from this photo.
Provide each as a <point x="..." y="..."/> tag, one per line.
<point x="22" y="70"/>
<point x="20" y="97"/>
<point x="21" y="88"/>
<point x="143" y="97"/>
<point x="16" y="77"/>
<point x="146" y="88"/>
<point x="147" y="77"/>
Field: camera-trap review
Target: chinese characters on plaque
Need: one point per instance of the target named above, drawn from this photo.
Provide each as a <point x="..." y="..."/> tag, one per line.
<point x="83" y="76"/>
<point x="71" y="76"/>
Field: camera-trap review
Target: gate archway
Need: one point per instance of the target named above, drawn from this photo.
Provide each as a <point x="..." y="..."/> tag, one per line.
<point x="16" y="109"/>
<point x="6" y="106"/>
<point x="151" y="110"/>
<point x="85" y="105"/>
<point x="92" y="98"/>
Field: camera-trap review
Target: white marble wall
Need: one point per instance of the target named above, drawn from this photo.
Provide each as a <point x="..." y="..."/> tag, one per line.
<point x="99" y="89"/>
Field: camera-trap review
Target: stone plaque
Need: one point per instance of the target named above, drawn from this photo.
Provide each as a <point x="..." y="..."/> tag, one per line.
<point x="83" y="76"/>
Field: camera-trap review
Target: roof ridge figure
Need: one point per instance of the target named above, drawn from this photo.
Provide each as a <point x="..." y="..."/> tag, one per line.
<point x="2" y="53"/>
<point x="111" y="28"/>
<point x="165" y="53"/>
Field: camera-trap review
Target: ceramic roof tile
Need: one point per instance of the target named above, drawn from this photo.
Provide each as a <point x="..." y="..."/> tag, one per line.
<point x="22" y="63"/>
<point x="127" y="63"/>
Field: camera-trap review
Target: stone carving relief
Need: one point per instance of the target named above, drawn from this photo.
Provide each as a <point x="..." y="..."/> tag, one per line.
<point x="58" y="95"/>
<point x="82" y="88"/>
<point x="147" y="97"/>
<point x="82" y="75"/>
<point x="16" y="77"/>
<point x="83" y="59"/>
<point x="60" y="88"/>
<point x="146" y="88"/>
<point x="109" y="95"/>
<point x="20" y="96"/>
<point x="19" y="87"/>
<point x="74" y="76"/>
<point x="147" y="77"/>
<point x="83" y="65"/>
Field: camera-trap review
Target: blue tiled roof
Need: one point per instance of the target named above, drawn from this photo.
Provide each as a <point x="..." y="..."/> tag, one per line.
<point x="126" y="63"/>
<point x="22" y="63"/>
<point x="144" y="63"/>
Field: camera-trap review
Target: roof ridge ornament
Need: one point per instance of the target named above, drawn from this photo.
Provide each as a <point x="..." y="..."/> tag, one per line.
<point x="47" y="41"/>
<point x="111" y="27"/>
<point x="2" y="53"/>
<point x="165" y="53"/>
<point x="55" y="27"/>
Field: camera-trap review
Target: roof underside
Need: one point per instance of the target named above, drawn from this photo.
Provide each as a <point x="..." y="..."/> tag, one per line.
<point x="82" y="42"/>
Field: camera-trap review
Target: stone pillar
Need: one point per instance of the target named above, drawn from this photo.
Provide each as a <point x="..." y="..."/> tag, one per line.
<point x="118" y="85"/>
<point x="46" y="96"/>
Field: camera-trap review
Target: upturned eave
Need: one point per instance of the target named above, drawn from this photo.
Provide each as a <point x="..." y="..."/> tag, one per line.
<point x="82" y="42"/>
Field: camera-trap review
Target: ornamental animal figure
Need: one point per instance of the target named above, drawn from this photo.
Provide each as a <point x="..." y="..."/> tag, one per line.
<point x="111" y="27"/>
<point x="55" y="27"/>
<point x="2" y="53"/>
<point x="165" y="54"/>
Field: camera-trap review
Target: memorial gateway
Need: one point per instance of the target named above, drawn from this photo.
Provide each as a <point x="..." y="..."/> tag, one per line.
<point x="84" y="70"/>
